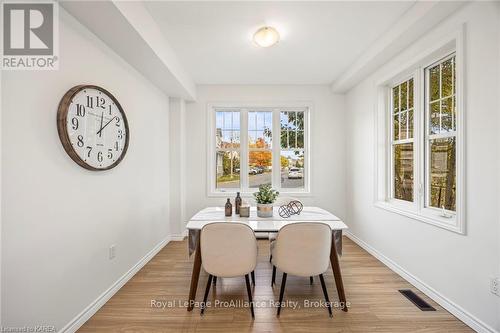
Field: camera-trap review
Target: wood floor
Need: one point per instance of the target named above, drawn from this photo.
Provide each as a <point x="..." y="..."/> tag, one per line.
<point x="371" y="288"/>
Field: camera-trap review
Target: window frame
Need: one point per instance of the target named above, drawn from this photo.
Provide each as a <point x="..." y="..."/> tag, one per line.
<point x="450" y="45"/>
<point x="244" y="108"/>
<point x="391" y="187"/>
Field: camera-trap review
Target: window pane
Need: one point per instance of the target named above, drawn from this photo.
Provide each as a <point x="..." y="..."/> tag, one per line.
<point x="292" y="169"/>
<point x="442" y="173"/>
<point x="410" y="124"/>
<point x="403" y="171"/>
<point x="252" y="121"/>
<point x="259" y="168"/>
<point x="236" y="120"/>
<point x="434" y="118"/>
<point x="410" y="94"/>
<point x="396" y="126"/>
<point x="300" y="121"/>
<point x="300" y="139"/>
<point x="446" y="78"/>
<point x="236" y="139"/>
<point x="446" y="115"/>
<point x="403" y="120"/>
<point x="292" y="117"/>
<point x="224" y="139"/>
<point x="227" y="166"/>
<point x="395" y="99"/>
<point x="219" y="120"/>
<point x="291" y="139"/>
<point x="228" y="120"/>
<point x="434" y="83"/>
<point x="404" y="96"/>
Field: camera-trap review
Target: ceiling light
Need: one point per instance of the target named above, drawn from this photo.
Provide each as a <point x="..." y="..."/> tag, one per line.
<point x="266" y="36"/>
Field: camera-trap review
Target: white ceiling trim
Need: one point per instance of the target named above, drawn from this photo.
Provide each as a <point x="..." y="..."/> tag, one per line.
<point x="129" y="29"/>
<point x="418" y="20"/>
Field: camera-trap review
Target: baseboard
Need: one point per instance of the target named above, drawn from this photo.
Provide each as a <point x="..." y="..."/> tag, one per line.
<point x="470" y="320"/>
<point x="85" y="315"/>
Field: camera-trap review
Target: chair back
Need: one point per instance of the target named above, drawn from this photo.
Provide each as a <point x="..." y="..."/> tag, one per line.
<point x="228" y="249"/>
<point x="303" y="248"/>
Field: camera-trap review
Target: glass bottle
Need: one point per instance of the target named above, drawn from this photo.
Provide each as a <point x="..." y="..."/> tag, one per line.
<point x="229" y="208"/>
<point x="237" y="203"/>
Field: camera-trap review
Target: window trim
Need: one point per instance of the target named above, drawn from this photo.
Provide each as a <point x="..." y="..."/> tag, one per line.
<point x="244" y="107"/>
<point x="453" y="43"/>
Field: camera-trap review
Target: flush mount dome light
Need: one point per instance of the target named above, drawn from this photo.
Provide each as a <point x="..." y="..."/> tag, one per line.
<point x="266" y="36"/>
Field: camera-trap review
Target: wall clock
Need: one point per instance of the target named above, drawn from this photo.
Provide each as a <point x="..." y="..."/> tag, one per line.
<point x="92" y="127"/>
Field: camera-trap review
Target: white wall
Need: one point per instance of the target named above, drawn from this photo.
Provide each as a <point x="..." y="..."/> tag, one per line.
<point x="327" y="140"/>
<point x="58" y="219"/>
<point x="458" y="267"/>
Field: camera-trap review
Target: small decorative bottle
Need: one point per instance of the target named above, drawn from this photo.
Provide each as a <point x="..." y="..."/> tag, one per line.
<point x="237" y="203"/>
<point x="229" y="208"/>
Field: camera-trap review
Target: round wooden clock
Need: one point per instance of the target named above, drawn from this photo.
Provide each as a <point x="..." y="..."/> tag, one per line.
<point x="92" y="127"/>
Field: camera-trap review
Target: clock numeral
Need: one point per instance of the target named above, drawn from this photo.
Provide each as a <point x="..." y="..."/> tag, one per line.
<point x="116" y="145"/>
<point x="99" y="156"/>
<point x="110" y="153"/>
<point x="90" y="102"/>
<point x="74" y="123"/>
<point x="100" y="102"/>
<point x="80" y="110"/>
<point x="90" y="149"/>
<point x="109" y="109"/>
<point x="80" y="141"/>
<point x="117" y="121"/>
<point x="120" y="134"/>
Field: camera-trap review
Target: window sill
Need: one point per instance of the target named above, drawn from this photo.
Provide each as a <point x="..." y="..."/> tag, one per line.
<point x="249" y="194"/>
<point x="449" y="223"/>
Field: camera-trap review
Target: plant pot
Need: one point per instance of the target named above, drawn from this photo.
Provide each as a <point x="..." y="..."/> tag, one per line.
<point x="264" y="210"/>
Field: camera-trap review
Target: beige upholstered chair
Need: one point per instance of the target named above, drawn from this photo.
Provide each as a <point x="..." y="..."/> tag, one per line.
<point x="228" y="249"/>
<point x="302" y="249"/>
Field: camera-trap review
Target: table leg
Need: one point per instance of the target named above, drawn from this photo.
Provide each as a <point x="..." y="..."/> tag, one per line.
<point x="196" y="273"/>
<point x="337" y="274"/>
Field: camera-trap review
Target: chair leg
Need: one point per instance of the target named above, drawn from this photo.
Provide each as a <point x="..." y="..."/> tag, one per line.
<point x="270" y="258"/>
<point x="273" y="280"/>
<point x="215" y="280"/>
<point x="206" y="294"/>
<point x="328" y="305"/>
<point x="310" y="280"/>
<point x="253" y="277"/>
<point x="282" y="291"/>
<point x="249" y="291"/>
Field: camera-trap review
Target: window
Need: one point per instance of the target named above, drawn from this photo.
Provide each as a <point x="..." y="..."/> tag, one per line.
<point x="419" y="150"/>
<point x="441" y="135"/>
<point x="402" y="140"/>
<point x="227" y="141"/>
<point x="258" y="145"/>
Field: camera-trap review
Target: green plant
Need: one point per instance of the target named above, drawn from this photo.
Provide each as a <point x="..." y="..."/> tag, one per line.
<point x="266" y="194"/>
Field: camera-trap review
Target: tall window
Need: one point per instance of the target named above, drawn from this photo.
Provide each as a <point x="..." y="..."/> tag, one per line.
<point x="256" y="146"/>
<point x="260" y="155"/>
<point x="227" y="141"/>
<point x="441" y="134"/>
<point x="292" y="149"/>
<point x="402" y="140"/>
<point x="421" y="167"/>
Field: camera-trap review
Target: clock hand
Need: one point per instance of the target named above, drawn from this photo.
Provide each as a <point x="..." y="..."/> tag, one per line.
<point x="103" y="127"/>
<point x="99" y="132"/>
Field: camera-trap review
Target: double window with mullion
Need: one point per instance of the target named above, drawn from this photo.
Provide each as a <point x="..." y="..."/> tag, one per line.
<point x="438" y="139"/>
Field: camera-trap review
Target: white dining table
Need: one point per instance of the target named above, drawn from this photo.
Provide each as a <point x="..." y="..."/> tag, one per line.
<point x="271" y="224"/>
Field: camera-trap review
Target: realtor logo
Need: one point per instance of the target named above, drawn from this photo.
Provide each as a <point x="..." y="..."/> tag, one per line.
<point x="29" y="36"/>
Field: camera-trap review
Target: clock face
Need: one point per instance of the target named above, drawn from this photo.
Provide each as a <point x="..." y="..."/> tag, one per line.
<point x="95" y="126"/>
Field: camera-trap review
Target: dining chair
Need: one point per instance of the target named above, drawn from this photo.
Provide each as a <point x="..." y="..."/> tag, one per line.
<point x="302" y="249"/>
<point x="228" y="249"/>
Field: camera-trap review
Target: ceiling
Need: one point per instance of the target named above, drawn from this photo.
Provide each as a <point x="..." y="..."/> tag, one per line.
<point x="320" y="40"/>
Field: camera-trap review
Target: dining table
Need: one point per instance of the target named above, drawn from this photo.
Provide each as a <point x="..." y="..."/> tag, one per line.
<point x="265" y="225"/>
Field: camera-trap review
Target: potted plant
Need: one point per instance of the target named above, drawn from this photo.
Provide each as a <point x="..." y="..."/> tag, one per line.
<point x="265" y="198"/>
